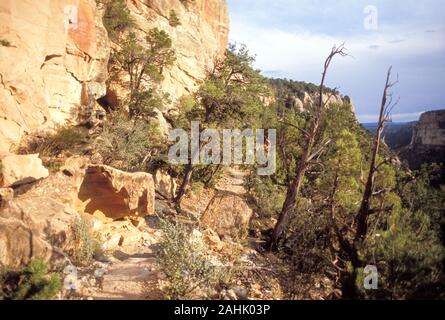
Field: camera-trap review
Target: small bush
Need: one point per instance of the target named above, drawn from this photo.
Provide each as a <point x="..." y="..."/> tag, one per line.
<point x="185" y="261"/>
<point x="87" y="244"/>
<point x="31" y="283"/>
<point x="51" y="145"/>
<point x="116" y="18"/>
<point x="5" y="43"/>
<point x="173" y="19"/>
<point x="129" y="144"/>
<point x="409" y="259"/>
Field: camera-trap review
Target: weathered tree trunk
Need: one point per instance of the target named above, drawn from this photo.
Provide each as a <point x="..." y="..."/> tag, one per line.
<point x="361" y="221"/>
<point x="185" y="182"/>
<point x="363" y="214"/>
<point x="292" y="192"/>
<point x="187" y="176"/>
<point x="295" y="186"/>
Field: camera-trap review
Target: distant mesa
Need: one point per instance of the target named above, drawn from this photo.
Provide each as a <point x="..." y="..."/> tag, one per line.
<point x="419" y="142"/>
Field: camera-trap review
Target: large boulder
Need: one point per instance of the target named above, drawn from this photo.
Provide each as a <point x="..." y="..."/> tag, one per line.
<point x="165" y="185"/>
<point x="115" y="193"/>
<point x="16" y="170"/>
<point x="33" y="227"/>
<point x="227" y="214"/>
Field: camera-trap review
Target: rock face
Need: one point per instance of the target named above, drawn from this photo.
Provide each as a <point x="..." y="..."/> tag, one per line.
<point x="430" y="130"/>
<point x="30" y="227"/>
<point x="165" y="185"/>
<point x="20" y="169"/>
<point x="227" y="212"/>
<point x="53" y="65"/>
<point x="199" y="38"/>
<point x="428" y="141"/>
<point x="115" y="193"/>
<point x="228" y="215"/>
<point x="37" y="223"/>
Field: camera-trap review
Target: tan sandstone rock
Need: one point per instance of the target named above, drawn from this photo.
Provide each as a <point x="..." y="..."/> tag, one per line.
<point x="53" y="70"/>
<point x="165" y="185"/>
<point x="430" y="130"/>
<point x="115" y="193"/>
<point x="33" y="227"/>
<point x="227" y="214"/>
<point x="21" y="169"/>
<point x="201" y="36"/>
<point x="6" y="195"/>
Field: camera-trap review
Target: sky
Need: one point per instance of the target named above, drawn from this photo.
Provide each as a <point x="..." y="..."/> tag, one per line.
<point x="291" y="39"/>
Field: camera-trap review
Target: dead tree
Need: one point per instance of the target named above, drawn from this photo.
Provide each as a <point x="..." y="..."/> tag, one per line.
<point x="309" y="153"/>
<point x="349" y="249"/>
<point x="387" y="105"/>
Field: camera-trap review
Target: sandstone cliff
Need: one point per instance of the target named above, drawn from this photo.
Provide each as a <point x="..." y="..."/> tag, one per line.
<point x="430" y="130"/>
<point x="428" y="141"/>
<point x="53" y="53"/>
<point x="199" y="36"/>
<point x="55" y="56"/>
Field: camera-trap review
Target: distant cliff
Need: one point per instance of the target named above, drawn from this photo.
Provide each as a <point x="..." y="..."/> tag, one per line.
<point x="430" y="130"/>
<point x="428" y="140"/>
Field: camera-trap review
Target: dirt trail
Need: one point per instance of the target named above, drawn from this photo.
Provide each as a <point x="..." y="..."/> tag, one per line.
<point x="233" y="181"/>
<point x="135" y="276"/>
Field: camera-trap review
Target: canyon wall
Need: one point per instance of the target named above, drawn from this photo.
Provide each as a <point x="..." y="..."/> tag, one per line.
<point x="199" y="36"/>
<point x="428" y="141"/>
<point x="54" y="56"/>
<point x="430" y="130"/>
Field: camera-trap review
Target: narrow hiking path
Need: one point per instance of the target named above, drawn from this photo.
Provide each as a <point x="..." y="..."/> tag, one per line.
<point x="133" y="274"/>
<point x="233" y="181"/>
<point x="130" y="273"/>
<point x="133" y="278"/>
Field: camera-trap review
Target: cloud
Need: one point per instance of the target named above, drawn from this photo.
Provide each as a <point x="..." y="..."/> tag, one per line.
<point x="397" y="41"/>
<point x="397" y="117"/>
<point x="288" y="43"/>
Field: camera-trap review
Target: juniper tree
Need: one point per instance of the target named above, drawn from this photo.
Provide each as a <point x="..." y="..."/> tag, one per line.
<point x="229" y="97"/>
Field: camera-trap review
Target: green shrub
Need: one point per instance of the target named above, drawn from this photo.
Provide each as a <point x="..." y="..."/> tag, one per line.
<point x="129" y="144"/>
<point x="52" y="144"/>
<point x="269" y="197"/>
<point x="116" y="18"/>
<point x="408" y="257"/>
<point x="143" y="61"/>
<point x="87" y="244"/>
<point x="184" y="261"/>
<point x="31" y="283"/>
<point x="173" y="19"/>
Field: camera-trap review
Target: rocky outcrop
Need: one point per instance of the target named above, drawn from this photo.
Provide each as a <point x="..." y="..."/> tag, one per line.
<point x="228" y="215"/>
<point x="54" y="59"/>
<point x="37" y="223"/>
<point x="165" y="185"/>
<point x="16" y="170"/>
<point x="33" y="227"/>
<point x="430" y="130"/>
<point x="199" y="38"/>
<point x="428" y="142"/>
<point x="115" y="193"/>
<point x="53" y="65"/>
